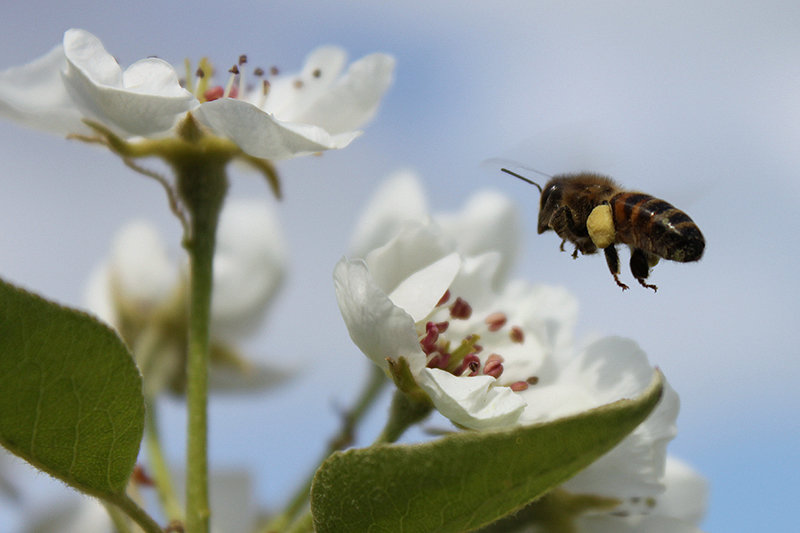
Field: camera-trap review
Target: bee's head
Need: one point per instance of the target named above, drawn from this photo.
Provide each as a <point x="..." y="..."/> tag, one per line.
<point x="549" y="202"/>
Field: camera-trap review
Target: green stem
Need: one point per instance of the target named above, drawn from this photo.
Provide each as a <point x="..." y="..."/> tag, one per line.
<point x="304" y="524"/>
<point x="119" y="520"/>
<point x="202" y="185"/>
<point x="404" y="413"/>
<point x="137" y="514"/>
<point x="159" y="466"/>
<point x="375" y="383"/>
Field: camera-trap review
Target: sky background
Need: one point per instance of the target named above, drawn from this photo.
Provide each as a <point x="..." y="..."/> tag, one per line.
<point x="694" y="102"/>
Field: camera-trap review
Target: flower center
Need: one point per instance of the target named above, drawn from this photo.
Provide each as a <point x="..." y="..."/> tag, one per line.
<point x="199" y="83"/>
<point x="461" y="357"/>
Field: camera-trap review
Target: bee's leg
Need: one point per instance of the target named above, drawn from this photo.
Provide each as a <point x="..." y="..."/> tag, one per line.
<point x="640" y="267"/>
<point x="563" y="223"/>
<point x="613" y="264"/>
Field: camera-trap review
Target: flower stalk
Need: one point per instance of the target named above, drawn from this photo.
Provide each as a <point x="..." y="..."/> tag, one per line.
<point x="202" y="184"/>
<point x="158" y="464"/>
<point x="405" y="411"/>
<point x="137" y="514"/>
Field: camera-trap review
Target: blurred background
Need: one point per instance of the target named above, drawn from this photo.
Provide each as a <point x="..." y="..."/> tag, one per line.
<point x="694" y="102"/>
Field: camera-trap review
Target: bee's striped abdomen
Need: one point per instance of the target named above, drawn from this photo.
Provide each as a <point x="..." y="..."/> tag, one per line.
<point x="656" y="226"/>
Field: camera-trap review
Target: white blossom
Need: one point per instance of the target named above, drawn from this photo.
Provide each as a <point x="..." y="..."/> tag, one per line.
<point x="492" y="354"/>
<point x="141" y="288"/>
<point x="678" y="509"/>
<point x="318" y="109"/>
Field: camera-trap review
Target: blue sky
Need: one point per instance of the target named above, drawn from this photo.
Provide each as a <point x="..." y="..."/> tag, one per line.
<point x="694" y="102"/>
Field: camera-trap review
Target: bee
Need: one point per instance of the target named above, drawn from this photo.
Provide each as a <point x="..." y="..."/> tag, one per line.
<point x="592" y="212"/>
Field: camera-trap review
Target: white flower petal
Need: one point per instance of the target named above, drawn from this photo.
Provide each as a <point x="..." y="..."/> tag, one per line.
<point x="419" y="293"/>
<point x="550" y="313"/>
<point x="249" y="266"/>
<point x="291" y="95"/>
<point x="378" y="327"/>
<point x="613" y="369"/>
<point x="686" y="497"/>
<point x="141" y="274"/>
<point x="262" y="135"/>
<point x="411" y="250"/>
<point x="398" y="200"/>
<point x="99" y="88"/>
<point x="489" y="221"/>
<point x="354" y="99"/>
<point x="474" y="402"/>
<point x="97" y="295"/>
<point x="34" y="95"/>
<point x="475" y="280"/>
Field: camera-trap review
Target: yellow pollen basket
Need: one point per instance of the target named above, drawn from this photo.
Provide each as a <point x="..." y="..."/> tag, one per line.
<point x="600" y="225"/>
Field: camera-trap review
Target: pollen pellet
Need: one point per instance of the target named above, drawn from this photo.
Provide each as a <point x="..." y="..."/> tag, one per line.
<point x="600" y="225"/>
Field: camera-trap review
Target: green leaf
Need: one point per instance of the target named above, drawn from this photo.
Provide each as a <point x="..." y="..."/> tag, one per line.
<point x="70" y="395"/>
<point x="466" y="480"/>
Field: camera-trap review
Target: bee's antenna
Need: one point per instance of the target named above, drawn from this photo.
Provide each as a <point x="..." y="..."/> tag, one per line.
<point x="523" y="178"/>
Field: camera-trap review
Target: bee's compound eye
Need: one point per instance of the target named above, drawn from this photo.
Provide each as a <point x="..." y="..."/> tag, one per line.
<point x="548" y="192"/>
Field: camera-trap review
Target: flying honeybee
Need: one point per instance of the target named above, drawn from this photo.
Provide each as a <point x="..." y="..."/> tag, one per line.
<point x="592" y="212"/>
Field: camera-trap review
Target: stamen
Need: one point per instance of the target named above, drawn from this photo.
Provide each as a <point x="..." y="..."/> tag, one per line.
<point x="438" y="360"/>
<point x="317" y="73"/>
<point x="204" y="72"/>
<point x="264" y="93"/>
<point x="242" y="84"/>
<point x="516" y="334"/>
<point x="495" y="321"/>
<point x="493" y="366"/>
<point x="298" y="84"/>
<point x="273" y="70"/>
<point x="470" y="362"/>
<point x="533" y="380"/>
<point x="189" y="81"/>
<point x="444" y="298"/>
<point x="518" y="386"/>
<point x="258" y="72"/>
<point x="428" y="342"/>
<point x="234" y="70"/>
<point x="460" y="309"/>
<point x="442" y="326"/>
